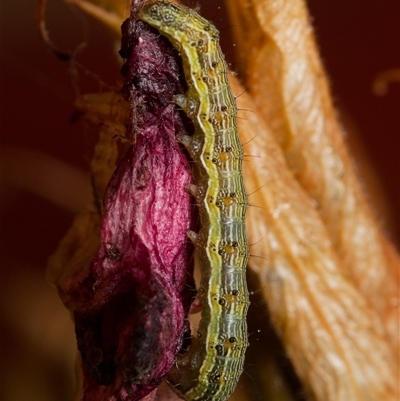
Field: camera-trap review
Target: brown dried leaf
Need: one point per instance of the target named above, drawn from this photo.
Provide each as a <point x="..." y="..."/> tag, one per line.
<point x="70" y="262"/>
<point x="323" y="321"/>
<point x="284" y="75"/>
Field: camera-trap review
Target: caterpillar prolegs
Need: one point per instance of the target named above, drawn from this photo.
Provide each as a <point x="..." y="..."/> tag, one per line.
<point x="211" y="367"/>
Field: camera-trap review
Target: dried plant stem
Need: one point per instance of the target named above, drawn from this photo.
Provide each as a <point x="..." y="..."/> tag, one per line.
<point x="286" y="80"/>
<point x="324" y="322"/>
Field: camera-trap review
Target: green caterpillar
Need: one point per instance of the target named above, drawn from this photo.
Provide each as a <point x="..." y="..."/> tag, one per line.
<point x="210" y="369"/>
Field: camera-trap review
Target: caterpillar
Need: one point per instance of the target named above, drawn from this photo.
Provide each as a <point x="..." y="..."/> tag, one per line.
<point x="211" y="367"/>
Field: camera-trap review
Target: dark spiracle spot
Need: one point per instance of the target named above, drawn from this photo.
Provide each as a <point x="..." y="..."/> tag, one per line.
<point x="224" y="108"/>
<point x="232" y="339"/>
<point x="235" y="292"/>
<point x="222" y="302"/>
<point x="216" y="376"/>
<point x="220" y="349"/>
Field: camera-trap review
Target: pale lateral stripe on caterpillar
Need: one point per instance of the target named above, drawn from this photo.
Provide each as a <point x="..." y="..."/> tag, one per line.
<point x="210" y="369"/>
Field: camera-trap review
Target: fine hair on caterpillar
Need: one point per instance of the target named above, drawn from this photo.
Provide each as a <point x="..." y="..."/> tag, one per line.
<point x="211" y="367"/>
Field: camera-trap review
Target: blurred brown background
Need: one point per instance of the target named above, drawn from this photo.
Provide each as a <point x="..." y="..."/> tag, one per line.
<point x="44" y="158"/>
